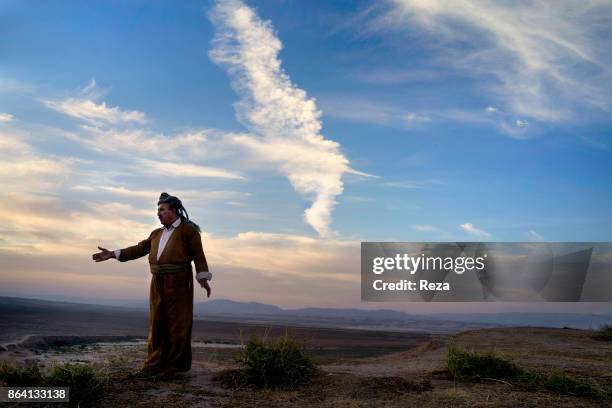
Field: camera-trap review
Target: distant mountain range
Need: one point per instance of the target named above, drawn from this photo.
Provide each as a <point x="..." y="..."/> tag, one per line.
<point x="384" y="318"/>
<point x="381" y="319"/>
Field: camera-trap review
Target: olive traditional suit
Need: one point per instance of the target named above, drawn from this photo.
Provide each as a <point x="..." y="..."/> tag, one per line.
<point x="171" y="295"/>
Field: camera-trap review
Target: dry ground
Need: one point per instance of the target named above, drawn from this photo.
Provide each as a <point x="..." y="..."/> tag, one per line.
<point x="416" y="376"/>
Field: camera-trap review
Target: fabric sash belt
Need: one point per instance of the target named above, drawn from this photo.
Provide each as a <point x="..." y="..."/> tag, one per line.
<point x="170" y="268"/>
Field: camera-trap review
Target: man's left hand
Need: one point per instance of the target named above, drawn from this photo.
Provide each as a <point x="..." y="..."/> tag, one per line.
<point x="204" y="283"/>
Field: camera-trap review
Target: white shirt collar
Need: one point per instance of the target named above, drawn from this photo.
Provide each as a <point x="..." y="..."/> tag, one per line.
<point x="175" y="224"/>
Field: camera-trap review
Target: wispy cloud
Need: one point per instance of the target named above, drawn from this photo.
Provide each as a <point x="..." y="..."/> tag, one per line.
<point x="549" y="59"/>
<point x="521" y="123"/>
<point x="108" y="131"/>
<point x="285" y="122"/>
<point x="475" y="232"/>
<point x="23" y="168"/>
<point x="356" y="109"/>
<point x="413" y="184"/>
<point x="5" y="117"/>
<point x="533" y="236"/>
<point x="350" y="107"/>
<point x="279" y="255"/>
<point x="95" y="113"/>
<point x="396" y="76"/>
<point x="170" y="169"/>
<point x="424" y="228"/>
<point x="200" y="144"/>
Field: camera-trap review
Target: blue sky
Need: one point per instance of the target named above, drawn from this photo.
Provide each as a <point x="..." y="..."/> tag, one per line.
<point x="303" y="127"/>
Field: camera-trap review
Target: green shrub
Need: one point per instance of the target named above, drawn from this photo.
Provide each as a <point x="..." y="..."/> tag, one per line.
<point x="475" y="366"/>
<point x="86" y="385"/>
<point x="604" y="333"/>
<point x="561" y="383"/>
<point x="27" y="376"/>
<point x="466" y="365"/>
<point x="275" y="363"/>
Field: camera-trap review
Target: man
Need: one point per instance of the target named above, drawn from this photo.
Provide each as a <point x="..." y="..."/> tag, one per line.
<point x="171" y="250"/>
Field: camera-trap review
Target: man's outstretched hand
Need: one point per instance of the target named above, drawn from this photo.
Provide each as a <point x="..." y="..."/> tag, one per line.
<point x="204" y="283"/>
<point x="103" y="255"/>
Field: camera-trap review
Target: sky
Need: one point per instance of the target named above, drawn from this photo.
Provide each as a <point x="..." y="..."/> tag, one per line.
<point x="292" y="131"/>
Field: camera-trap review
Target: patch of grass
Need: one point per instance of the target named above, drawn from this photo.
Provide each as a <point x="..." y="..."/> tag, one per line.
<point x="86" y="384"/>
<point x="560" y="383"/>
<point x="230" y="378"/>
<point x="280" y="363"/>
<point x="465" y="365"/>
<point x="604" y="333"/>
<point x="27" y="376"/>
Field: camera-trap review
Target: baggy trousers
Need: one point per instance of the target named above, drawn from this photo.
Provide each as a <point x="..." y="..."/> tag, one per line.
<point x="170" y="321"/>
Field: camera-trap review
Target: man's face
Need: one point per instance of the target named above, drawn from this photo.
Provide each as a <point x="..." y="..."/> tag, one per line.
<point x="166" y="214"/>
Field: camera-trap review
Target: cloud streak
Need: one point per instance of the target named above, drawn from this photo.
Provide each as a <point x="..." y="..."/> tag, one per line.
<point x="170" y="169"/>
<point x="548" y="59"/>
<point x="95" y="113"/>
<point x="6" y="117"/>
<point x="476" y="232"/>
<point x="285" y="122"/>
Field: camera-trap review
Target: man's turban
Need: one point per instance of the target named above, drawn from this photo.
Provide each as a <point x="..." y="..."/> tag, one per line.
<point x="178" y="206"/>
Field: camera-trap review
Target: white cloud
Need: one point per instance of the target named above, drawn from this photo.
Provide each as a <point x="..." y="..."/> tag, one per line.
<point x="203" y="144"/>
<point x="414" y="117"/>
<point x="516" y="130"/>
<point x="549" y="59"/>
<point x="128" y="192"/>
<point x="475" y="117"/>
<point x="278" y="255"/>
<point x="533" y="236"/>
<point x="120" y="209"/>
<point x="109" y="131"/>
<point x="358" y="199"/>
<point x="410" y="184"/>
<point x="424" y="228"/>
<point x="285" y="122"/>
<point x="95" y="113"/>
<point x="170" y="169"/>
<point x="22" y="168"/>
<point x="521" y="123"/>
<point x="354" y="108"/>
<point x="46" y="224"/>
<point x="185" y="195"/>
<point x="476" y="232"/>
<point x="6" y="117"/>
<point x="90" y="89"/>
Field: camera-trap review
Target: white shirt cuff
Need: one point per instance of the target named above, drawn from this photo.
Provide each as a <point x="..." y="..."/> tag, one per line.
<point x="117" y="253"/>
<point x="205" y="275"/>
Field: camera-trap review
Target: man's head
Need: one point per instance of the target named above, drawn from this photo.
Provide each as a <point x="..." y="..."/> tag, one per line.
<point x="169" y="208"/>
<point x="166" y="214"/>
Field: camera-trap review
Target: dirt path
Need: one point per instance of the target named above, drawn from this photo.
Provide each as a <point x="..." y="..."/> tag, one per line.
<point x="424" y="359"/>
